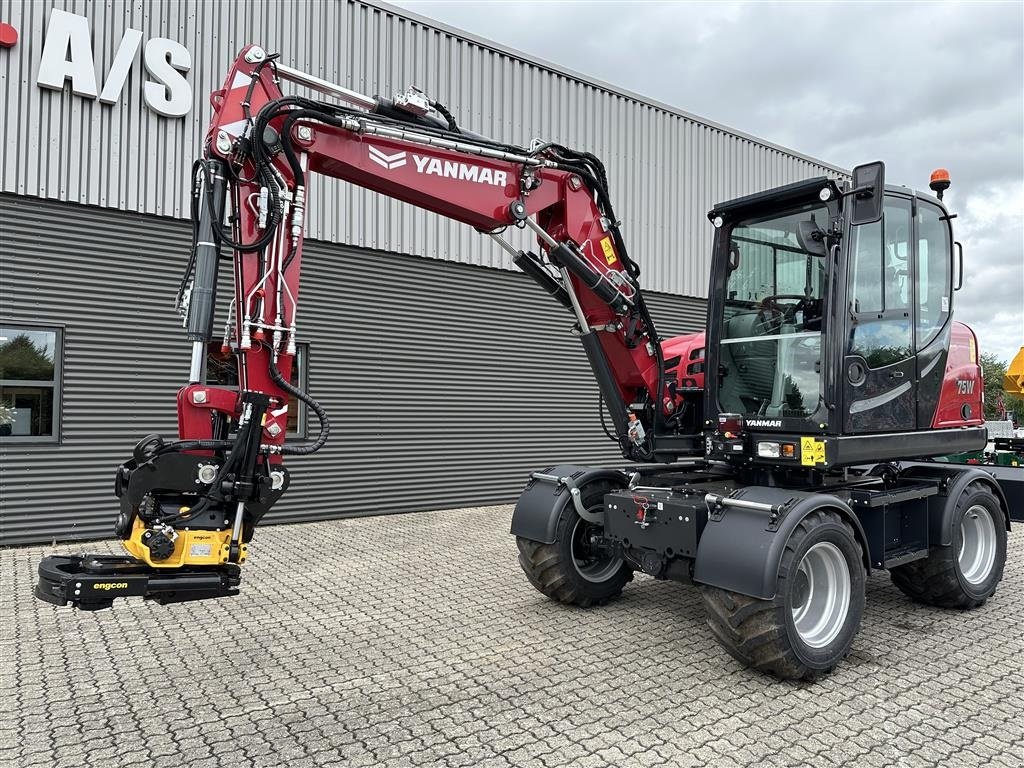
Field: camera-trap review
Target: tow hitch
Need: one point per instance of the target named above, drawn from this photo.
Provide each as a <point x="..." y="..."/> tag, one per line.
<point x="91" y="582"/>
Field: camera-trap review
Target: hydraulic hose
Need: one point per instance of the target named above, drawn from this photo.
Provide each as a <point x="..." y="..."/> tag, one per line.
<point x="302" y="449"/>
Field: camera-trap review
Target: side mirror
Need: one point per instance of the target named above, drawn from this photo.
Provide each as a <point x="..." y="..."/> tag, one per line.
<point x="868" y="193"/>
<point x="811" y="238"/>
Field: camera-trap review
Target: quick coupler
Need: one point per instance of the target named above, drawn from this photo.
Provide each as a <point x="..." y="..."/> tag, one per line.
<point x="91" y="582"/>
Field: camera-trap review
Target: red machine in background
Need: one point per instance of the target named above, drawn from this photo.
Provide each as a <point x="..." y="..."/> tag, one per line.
<point x="823" y="353"/>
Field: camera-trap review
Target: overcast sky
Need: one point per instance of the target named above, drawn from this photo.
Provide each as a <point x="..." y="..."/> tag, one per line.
<point x="918" y="85"/>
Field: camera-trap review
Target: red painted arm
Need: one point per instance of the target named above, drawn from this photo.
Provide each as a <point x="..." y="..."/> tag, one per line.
<point x="461" y="176"/>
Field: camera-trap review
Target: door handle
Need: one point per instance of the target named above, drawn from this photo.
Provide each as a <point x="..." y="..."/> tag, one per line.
<point x="896" y="375"/>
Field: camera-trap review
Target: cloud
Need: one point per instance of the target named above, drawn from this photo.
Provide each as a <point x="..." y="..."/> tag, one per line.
<point x="918" y="85"/>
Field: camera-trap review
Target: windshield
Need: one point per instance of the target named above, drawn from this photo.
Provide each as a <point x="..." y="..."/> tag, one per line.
<point x="771" y="341"/>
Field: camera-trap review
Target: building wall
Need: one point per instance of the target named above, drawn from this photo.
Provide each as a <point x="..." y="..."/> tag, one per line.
<point x="449" y="377"/>
<point x="666" y="167"/>
<point x="445" y="386"/>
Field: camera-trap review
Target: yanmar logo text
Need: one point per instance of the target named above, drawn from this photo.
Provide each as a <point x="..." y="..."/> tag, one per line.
<point x="764" y="422"/>
<point x="433" y="166"/>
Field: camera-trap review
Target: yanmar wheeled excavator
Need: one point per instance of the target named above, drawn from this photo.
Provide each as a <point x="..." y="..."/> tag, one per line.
<point x="774" y="460"/>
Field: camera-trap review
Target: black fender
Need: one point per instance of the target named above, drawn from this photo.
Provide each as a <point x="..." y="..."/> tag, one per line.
<point x="952" y="480"/>
<point x="741" y="549"/>
<point x="541" y="502"/>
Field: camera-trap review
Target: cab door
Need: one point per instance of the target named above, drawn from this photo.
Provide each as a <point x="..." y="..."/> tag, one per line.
<point x="933" y="305"/>
<point x="879" y="371"/>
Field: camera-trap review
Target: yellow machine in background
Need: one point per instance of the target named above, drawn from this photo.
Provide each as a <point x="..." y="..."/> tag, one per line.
<point x="1013" y="381"/>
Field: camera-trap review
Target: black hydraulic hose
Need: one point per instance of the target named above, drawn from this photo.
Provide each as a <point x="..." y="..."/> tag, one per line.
<point x="271" y="231"/>
<point x="593" y="172"/>
<point x="600" y="412"/>
<point x="195" y="445"/>
<point x="229" y="464"/>
<point x="194" y="211"/>
<point x="442" y="110"/>
<point x="302" y="449"/>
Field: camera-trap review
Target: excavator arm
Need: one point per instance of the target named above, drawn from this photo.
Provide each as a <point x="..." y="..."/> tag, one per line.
<point x="189" y="506"/>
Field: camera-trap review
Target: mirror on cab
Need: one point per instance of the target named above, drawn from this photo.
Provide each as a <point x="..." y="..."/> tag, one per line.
<point x="811" y="237"/>
<point x="868" y="193"/>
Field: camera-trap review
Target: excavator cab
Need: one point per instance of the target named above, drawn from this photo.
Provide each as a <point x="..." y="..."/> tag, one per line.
<point x="830" y="328"/>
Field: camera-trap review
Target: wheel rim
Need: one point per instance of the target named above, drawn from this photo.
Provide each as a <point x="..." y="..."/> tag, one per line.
<point x="821" y="595"/>
<point x="593" y="565"/>
<point x="977" y="544"/>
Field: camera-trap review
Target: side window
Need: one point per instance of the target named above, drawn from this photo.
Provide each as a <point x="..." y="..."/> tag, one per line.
<point x="896" y="256"/>
<point x="30" y="374"/>
<point x="933" y="272"/>
<point x="866" y="285"/>
<point x="880" y="286"/>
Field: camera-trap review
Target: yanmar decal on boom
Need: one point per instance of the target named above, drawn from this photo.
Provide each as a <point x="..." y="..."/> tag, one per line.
<point x="433" y="166"/>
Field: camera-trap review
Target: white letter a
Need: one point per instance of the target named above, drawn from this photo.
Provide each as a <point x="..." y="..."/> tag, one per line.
<point x="67" y="30"/>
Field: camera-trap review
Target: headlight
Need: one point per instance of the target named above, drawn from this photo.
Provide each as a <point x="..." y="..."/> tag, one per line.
<point x="768" y="450"/>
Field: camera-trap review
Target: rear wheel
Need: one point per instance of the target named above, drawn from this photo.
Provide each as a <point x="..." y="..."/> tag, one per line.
<point x="966" y="573"/>
<point x="809" y="626"/>
<point x="575" y="568"/>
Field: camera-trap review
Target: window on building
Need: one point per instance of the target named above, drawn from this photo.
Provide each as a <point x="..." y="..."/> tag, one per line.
<point x="30" y="376"/>
<point x="222" y="370"/>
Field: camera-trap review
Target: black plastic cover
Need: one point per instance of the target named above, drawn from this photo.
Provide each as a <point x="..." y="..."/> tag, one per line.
<point x="541" y="502"/>
<point x="741" y="550"/>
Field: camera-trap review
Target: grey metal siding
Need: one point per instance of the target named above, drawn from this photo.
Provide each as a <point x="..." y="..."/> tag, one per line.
<point x="667" y="168"/>
<point x="446" y="383"/>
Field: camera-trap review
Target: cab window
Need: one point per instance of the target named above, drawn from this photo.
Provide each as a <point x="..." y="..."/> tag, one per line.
<point x="880" y="286"/>
<point x="933" y="272"/>
<point x="771" y="340"/>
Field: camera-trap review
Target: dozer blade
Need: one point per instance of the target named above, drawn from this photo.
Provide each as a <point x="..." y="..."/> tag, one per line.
<point x="91" y="582"/>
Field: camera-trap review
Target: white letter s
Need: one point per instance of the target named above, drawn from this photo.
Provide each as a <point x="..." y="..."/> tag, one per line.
<point x="168" y="61"/>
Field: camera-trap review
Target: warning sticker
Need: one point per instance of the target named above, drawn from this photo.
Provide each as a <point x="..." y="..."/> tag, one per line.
<point x="812" y="451"/>
<point x="609" y="252"/>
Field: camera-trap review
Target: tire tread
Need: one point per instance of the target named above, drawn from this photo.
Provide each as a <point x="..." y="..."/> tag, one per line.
<point x="752" y="630"/>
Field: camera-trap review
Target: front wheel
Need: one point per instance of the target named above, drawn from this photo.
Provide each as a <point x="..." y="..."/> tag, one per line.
<point x="576" y="568"/>
<point x="809" y="626"/>
<point x="966" y="573"/>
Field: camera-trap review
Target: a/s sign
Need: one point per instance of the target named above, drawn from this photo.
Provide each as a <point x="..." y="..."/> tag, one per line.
<point x="68" y="54"/>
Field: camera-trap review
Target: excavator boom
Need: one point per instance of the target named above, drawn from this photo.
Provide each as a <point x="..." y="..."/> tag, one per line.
<point x="189" y="506"/>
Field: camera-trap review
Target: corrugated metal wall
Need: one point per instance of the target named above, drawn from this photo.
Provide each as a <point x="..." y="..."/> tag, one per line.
<point x="667" y="168"/>
<point x="444" y="390"/>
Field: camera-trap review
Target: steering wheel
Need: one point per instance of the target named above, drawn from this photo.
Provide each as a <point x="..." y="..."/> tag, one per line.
<point x="770" y="317"/>
<point x="773" y="299"/>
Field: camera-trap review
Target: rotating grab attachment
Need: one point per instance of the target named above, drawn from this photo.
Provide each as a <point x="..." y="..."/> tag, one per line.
<point x="91" y="582"/>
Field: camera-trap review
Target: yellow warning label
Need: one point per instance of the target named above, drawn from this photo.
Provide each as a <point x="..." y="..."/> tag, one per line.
<point x="812" y="451"/>
<point x="609" y="252"/>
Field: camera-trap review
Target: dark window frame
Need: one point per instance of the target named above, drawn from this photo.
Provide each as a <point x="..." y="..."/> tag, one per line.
<point x="301" y="369"/>
<point x="944" y="219"/>
<point x="56" y="384"/>
<point x="888" y="312"/>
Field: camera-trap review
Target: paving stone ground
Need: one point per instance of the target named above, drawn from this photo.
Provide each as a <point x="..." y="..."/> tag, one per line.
<point x="416" y="640"/>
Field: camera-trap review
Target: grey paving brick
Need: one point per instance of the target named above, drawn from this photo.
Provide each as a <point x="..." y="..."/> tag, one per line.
<point x="415" y="640"/>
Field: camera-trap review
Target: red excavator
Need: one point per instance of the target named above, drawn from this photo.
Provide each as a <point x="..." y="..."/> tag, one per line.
<point x="774" y="460"/>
